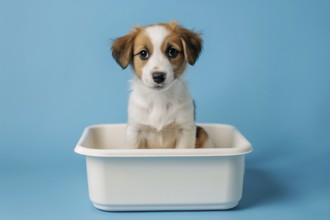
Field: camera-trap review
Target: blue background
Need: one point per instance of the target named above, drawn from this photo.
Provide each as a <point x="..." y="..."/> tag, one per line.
<point x="265" y="68"/>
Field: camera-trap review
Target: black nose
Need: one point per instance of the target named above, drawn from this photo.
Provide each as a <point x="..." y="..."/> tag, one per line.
<point x="158" y="77"/>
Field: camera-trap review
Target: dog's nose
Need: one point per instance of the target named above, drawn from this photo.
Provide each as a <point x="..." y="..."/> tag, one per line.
<point x="158" y="77"/>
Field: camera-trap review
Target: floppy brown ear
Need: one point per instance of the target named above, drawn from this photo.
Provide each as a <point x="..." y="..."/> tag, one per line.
<point x="192" y="44"/>
<point x="122" y="49"/>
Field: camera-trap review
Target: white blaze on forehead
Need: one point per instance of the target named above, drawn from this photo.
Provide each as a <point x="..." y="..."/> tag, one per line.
<point x="157" y="35"/>
<point x="157" y="61"/>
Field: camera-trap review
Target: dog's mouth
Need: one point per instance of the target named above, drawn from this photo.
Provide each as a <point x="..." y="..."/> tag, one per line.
<point x="159" y="86"/>
<point x="163" y="86"/>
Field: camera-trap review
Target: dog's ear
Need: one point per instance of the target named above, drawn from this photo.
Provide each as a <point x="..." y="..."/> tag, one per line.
<point x="122" y="49"/>
<point x="192" y="44"/>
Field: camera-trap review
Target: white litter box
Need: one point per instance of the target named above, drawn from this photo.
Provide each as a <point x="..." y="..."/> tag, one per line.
<point x="122" y="179"/>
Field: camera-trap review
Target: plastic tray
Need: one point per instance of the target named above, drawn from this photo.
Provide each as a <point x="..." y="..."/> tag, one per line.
<point x="121" y="179"/>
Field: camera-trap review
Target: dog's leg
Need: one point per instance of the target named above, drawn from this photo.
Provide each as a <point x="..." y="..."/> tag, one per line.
<point x="134" y="138"/>
<point x="202" y="138"/>
<point x="187" y="138"/>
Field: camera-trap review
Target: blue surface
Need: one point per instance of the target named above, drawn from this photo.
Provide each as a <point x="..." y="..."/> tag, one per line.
<point x="265" y="68"/>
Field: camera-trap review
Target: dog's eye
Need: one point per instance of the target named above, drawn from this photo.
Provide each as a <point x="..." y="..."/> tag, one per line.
<point x="144" y="54"/>
<point x="172" y="53"/>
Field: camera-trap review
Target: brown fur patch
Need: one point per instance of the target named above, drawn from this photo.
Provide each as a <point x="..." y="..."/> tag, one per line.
<point x="122" y="48"/>
<point x="192" y="44"/>
<point x="191" y="41"/>
<point x="201" y="137"/>
<point x="142" y="42"/>
<point x="179" y="62"/>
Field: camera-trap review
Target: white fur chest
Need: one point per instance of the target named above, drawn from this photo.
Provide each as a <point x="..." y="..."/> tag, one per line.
<point x="158" y="109"/>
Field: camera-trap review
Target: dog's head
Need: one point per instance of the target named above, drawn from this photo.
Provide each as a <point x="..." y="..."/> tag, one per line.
<point x="158" y="53"/>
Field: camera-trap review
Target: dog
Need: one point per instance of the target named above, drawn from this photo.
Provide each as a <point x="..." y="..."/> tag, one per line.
<point x="161" y="111"/>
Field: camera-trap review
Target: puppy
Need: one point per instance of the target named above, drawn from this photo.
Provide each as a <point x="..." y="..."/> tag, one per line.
<point x="161" y="109"/>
